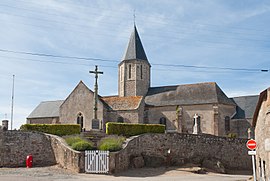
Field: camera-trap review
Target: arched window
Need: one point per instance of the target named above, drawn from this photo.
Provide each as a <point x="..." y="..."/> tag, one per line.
<point x="80" y="120"/>
<point x="163" y="121"/>
<point x="120" y="119"/>
<point x="227" y="124"/>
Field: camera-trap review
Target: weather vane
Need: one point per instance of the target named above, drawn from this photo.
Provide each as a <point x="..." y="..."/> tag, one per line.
<point x="134" y="16"/>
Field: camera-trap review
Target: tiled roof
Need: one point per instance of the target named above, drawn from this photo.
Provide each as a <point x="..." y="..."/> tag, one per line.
<point x="135" y="48"/>
<point x="123" y="103"/>
<point x="190" y="94"/>
<point x="46" y="109"/>
<point x="246" y="106"/>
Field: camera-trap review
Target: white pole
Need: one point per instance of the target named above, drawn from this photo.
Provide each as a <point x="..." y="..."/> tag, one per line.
<point x="253" y="166"/>
<point x="12" y="104"/>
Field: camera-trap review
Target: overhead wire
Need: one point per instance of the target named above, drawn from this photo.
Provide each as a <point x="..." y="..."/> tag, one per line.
<point x="115" y="61"/>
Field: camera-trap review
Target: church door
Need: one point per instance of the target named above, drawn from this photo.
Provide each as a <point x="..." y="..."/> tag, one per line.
<point x="163" y="121"/>
<point x="80" y="120"/>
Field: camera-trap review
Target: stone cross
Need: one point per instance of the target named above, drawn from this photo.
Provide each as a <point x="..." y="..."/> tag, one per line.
<point x="197" y="126"/>
<point x="96" y="72"/>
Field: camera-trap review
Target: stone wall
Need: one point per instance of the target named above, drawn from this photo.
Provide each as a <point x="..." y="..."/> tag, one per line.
<point x="137" y="84"/>
<point x="45" y="149"/>
<point x="80" y="100"/>
<point x="16" y="145"/>
<point x="262" y="136"/>
<point x="205" y="111"/>
<point x="152" y="150"/>
<point x="52" y="120"/>
<point x="65" y="156"/>
<point x="240" y="127"/>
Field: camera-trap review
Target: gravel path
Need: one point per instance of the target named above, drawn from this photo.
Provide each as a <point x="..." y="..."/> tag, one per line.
<point x="149" y="174"/>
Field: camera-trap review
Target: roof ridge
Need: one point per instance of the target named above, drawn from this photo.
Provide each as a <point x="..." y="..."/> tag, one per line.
<point x="52" y="101"/>
<point x="245" y="96"/>
<point x="186" y="84"/>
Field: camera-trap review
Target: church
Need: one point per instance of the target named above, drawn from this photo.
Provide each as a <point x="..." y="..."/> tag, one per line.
<point x="177" y="107"/>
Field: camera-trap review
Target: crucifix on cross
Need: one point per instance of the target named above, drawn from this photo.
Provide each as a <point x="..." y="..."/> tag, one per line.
<point x="96" y="72"/>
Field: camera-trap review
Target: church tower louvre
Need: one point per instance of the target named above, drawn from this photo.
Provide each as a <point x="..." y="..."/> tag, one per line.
<point x="134" y="69"/>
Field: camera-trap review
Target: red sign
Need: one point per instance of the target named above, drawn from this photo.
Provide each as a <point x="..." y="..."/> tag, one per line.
<point x="251" y="144"/>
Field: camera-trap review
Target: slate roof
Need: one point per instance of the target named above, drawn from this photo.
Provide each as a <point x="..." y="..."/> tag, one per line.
<point x="123" y="103"/>
<point x="189" y="94"/>
<point x="46" y="109"/>
<point x="135" y="48"/>
<point x="246" y="106"/>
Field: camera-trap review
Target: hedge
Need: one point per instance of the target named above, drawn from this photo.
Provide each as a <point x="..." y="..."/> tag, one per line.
<point x="56" y="129"/>
<point x="127" y="129"/>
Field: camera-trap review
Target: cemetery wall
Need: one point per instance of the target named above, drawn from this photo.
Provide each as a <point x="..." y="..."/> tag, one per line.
<point x="176" y="149"/>
<point x="15" y="146"/>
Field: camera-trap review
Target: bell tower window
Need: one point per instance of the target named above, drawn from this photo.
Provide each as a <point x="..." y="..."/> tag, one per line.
<point x="141" y="72"/>
<point x="129" y="71"/>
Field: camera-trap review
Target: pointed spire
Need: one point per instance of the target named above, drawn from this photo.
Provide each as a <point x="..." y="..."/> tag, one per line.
<point x="135" y="49"/>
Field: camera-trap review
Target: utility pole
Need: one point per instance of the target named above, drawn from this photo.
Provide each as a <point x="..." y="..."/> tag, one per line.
<point x="96" y="72"/>
<point x="12" y="105"/>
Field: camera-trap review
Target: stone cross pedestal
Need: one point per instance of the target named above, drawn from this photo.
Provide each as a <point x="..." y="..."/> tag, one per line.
<point x="197" y="125"/>
<point x="95" y="124"/>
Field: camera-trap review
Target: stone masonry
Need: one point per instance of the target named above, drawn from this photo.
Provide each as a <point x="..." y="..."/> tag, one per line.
<point x="16" y="145"/>
<point x="45" y="149"/>
<point x="177" y="149"/>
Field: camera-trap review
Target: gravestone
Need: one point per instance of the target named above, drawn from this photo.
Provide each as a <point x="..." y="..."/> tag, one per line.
<point x="95" y="124"/>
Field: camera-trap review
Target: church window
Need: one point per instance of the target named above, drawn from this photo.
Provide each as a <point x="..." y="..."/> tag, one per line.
<point x="120" y="119"/>
<point x="129" y="71"/>
<point x="141" y="72"/>
<point x="163" y="121"/>
<point x="227" y="123"/>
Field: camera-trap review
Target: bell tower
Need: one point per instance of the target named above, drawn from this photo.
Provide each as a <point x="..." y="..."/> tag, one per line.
<point x="134" y="69"/>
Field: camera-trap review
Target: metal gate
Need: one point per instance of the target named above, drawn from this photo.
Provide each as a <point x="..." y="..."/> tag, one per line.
<point x="96" y="161"/>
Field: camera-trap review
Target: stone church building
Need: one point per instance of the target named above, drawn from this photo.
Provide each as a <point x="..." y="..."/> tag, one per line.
<point x="138" y="102"/>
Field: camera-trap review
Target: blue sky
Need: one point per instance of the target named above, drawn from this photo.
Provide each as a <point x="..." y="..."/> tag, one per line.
<point x="207" y="33"/>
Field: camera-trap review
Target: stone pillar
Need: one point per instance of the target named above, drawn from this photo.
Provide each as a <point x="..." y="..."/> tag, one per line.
<point x="197" y="126"/>
<point x="179" y="119"/>
<point x="215" y="121"/>
<point x="5" y="124"/>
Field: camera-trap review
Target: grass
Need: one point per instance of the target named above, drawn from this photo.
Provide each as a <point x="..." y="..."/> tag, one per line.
<point x="111" y="143"/>
<point x="78" y="143"/>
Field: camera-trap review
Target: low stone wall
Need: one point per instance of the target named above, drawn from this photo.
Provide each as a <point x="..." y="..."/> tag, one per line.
<point x="152" y="150"/>
<point x="16" y="145"/>
<point x="65" y="156"/>
<point x="46" y="150"/>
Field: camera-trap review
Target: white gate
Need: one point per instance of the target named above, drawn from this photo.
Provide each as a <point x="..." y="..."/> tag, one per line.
<point x="96" y="161"/>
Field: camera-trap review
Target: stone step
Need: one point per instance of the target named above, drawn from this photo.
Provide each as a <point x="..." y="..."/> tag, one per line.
<point x="94" y="136"/>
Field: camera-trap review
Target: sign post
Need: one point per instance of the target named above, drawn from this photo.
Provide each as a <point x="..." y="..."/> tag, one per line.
<point x="251" y="144"/>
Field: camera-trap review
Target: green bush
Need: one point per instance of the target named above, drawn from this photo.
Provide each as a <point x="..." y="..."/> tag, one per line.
<point x="73" y="139"/>
<point x="111" y="143"/>
<point x="56" y="129"/>
<point x="127" y="129"/>
<point x="232" y="135"/>
<point x="82" y="146"/>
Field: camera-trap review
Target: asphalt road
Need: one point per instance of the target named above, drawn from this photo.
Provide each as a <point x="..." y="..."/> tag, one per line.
<point x="149" y="174"/>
